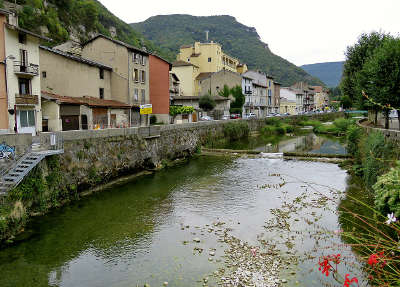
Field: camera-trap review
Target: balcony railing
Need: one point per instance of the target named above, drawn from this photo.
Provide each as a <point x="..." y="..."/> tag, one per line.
<point x="26" y="99"/>
<point x="26" y="69"/>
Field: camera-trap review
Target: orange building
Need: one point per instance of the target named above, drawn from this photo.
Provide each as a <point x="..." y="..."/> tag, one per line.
<point x="159" y="87"/>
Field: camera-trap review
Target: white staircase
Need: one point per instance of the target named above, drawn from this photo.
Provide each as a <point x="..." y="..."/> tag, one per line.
<point x="17" y="172"/>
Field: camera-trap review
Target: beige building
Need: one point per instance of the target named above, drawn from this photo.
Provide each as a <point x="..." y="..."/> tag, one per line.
<point x="187" y="73"/>
<point x="288" y="106"/>
<point x="276" y="100"/>
<point x="78" y="96"/>
<point x="215" y="82"/>
<point x="130" y="72"/>
<point x="209" y="57"/>
<point x="321" y="97"/>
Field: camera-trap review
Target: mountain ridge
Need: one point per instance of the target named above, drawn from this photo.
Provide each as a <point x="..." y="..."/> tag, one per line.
<point x="170" y="32"/>
<point x="328" y="72"/>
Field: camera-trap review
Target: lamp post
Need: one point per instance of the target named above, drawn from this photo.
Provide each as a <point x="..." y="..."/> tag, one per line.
<point x="11" y="57"/>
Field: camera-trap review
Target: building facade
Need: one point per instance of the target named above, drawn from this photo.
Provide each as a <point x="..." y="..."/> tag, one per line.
<point x="20" y="103"/>
<point x="307" y="93"/>
<point x="277" y="98"/>
<point x="255" y="89"/>
<point x="292" y="95"/>
<point x="288" y="106"/>
<point x="159" y="87"/>
<point x="130" y="72"/>
<point x="321" y="97"/>
<point x="209" y="57"/>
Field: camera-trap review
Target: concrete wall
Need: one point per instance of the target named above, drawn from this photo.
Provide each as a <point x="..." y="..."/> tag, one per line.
<point x="219" y="79"/>
<point x="51" y="112"/>
<point x="116" y="56"/>
<point x="71" y="78"/>
<point x="186" y="75"/>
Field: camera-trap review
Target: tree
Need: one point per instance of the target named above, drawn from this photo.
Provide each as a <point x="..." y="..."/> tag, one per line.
<point x="225" y="92"/>
<point x="207" y="103"/>
<point x="346" y="102"/>
<point x="380" y="77"/>
<point x="237" y="104"/>
<point x="356" y="56"/>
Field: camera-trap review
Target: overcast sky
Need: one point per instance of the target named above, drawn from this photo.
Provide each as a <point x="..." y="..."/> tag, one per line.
<point x="301" y="31"/>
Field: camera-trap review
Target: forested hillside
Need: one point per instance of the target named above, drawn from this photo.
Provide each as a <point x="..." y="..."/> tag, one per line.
<point x="330" y="73"/>
<point x="62" y="20"/>
<point x="172" y="31"/>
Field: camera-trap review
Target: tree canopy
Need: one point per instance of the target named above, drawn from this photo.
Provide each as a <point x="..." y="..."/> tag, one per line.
<point x="207" y="103"/>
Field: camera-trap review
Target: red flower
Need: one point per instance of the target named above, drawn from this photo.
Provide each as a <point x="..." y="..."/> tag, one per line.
<point x="336" y="258"/>
<point x="324" y="266"/>
<point x="373" y="259"/>
<point x="347" y="281"/>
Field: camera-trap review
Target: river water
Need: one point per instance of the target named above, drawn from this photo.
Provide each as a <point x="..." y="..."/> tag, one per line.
<point x="145" y="231"/>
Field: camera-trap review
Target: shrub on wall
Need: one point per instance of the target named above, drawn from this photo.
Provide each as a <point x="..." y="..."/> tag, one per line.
<point x="179" y="110"/>
<point x="387" y="191"/>
<point x="236" y="130"/>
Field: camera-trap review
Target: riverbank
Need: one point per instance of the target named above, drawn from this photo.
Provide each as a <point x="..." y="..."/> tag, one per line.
<point x="94" y="158"/>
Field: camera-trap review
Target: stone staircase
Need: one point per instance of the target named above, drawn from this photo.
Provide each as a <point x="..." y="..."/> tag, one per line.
<point x="21" y="168"/>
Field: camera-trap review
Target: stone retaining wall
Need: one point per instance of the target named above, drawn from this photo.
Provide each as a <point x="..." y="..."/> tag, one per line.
<point x="393" y="135"/>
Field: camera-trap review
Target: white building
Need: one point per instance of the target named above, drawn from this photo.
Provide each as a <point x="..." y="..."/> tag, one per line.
<point x="22" y="78"/>
<point x="254" y="87"/>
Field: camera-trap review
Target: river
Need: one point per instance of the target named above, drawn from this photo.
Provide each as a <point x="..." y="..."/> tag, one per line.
<point x="185" y="225"/>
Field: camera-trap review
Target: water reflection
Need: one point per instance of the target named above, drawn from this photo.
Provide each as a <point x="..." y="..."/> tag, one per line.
<point x="133" y="234"/>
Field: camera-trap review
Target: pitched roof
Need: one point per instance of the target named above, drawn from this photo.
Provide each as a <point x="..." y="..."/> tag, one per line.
<point x="88" y="101"/>
<point x="203" y="76"/>
<point x="130" y="47"/>
<point x="12" y="27"/>
<point x="182" y="64"/>
<point x="318" y="89"/>
<point x="75" y="58"/>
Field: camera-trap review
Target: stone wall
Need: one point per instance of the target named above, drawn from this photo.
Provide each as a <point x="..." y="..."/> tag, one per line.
<point x="393" y="135"/>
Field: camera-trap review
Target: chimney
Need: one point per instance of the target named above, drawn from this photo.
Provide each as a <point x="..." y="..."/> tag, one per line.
<point x="207" y="35"/>
<point x="13" y="19"/>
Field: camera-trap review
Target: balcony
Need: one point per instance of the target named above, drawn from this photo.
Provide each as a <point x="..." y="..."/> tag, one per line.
<point x="26" y="70"/>
<point x="26" y="99"/>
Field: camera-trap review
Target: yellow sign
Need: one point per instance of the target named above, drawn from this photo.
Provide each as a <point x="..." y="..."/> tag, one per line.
<point x="146" y="109"/>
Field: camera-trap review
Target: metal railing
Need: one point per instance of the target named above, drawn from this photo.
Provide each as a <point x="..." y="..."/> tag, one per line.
<point x="20" y="67"/>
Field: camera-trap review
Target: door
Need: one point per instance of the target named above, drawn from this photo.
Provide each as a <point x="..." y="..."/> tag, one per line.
<point x="26" y="123"/>
<point x="70" y="123"/>
<point x="84" y="122"/>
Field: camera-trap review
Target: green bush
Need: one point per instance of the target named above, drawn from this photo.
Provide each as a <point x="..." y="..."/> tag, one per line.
<point x="236" y="130"/>
<point x="387" y="192"/>
<point x="153" y="119"/>
<point x="313" y="123"/>
<point x="288" y="128"/>
<point x="343" y="124"/>
<point x="273" y="122"/>
<point x="353" y="138"/>
<point x="268" y="130"/>
<point x="376" y="154"/>
<point x="280" y="130"/>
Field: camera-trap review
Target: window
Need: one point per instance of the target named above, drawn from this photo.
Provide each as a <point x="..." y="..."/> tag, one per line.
<point x="101" y="73"/>
<point x="27" y="118"/>
<point x="135" y="58"/>
<point x="136" y="95"/>
<point x="143" y="76"/>
<point x="44" y="74"/>
<point x="22" y="38"/>
<point x="101" y="91"/>
<point x="140" y="76"/>
<point x="209" y="60"/>
<point x="143" y="60"/>
<point x="143" y="96"/>
<point x="23" y="54"/>
<point x="24" y="86"/>
<point x="188" y="59"/>
<point x="136" y="75"/>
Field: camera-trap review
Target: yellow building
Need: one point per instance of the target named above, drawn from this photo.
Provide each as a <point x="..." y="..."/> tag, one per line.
<point x="288" y="106"/>
<point x="209" y="57"/>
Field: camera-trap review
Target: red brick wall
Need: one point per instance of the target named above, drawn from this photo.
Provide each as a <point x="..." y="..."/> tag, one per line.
<point x="159" y="85"/>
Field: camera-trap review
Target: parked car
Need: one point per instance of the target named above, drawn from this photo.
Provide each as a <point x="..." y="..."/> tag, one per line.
<point x="250" y="116"/>
<point x="225" y="117"/>
<point x="206" y="118"/>
<point x="235" y="116"/>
